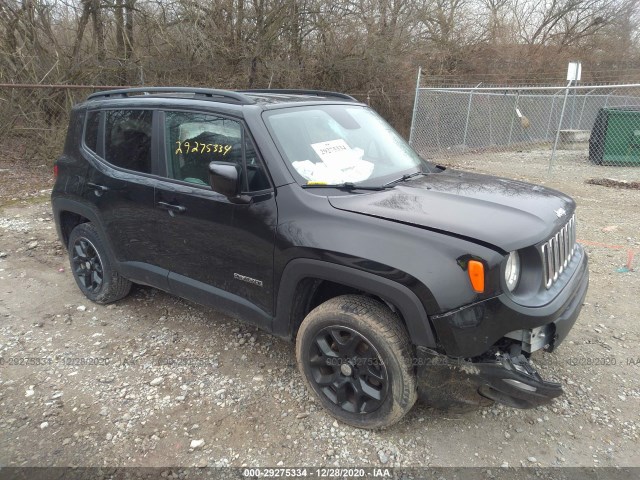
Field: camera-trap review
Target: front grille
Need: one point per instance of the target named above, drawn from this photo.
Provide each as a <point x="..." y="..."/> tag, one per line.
<point x="558" y="250"/>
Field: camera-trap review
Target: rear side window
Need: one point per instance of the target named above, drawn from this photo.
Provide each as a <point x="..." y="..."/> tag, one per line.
<point x="195" y="139"/>
<point x="91" y="131"/>
<point x="127" y="142"/>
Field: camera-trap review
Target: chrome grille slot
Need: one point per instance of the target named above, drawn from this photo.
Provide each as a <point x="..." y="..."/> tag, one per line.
<point x="558" y="251"/>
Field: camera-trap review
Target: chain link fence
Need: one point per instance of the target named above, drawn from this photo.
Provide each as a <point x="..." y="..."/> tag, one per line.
<point x="602" y="122"/>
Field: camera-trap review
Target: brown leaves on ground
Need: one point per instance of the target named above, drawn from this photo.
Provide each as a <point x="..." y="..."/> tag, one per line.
<point x="609" y="182"/>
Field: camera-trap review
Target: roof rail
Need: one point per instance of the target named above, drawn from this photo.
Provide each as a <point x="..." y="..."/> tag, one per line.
<point x="232" y="96"/>
<point x="289" y="91"/>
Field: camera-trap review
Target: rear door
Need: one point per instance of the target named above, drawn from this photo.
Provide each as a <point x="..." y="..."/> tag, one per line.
<point x="219" y="252"/>
<point x="120" y="185"/>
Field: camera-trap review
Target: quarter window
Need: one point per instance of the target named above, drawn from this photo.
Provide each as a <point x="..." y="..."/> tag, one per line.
<point x="127" y="141"/>
<point x="91" y="131"/>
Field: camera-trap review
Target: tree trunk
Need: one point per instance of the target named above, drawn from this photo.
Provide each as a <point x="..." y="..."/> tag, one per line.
<point x="239" y="22"/>
<point x="130" y="6"/>
<point x="98" y="30"/>
<point x="82" y="25"/>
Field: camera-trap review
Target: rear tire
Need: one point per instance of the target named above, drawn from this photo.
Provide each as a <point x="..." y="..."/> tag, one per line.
<point x="92" y="269"/>
<point x="355" y="355"/>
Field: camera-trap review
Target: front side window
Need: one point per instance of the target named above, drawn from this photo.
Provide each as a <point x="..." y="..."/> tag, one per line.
<point x="334" y="144"/>
<point x="127" y="142"/>
<point x="194" y="140"/>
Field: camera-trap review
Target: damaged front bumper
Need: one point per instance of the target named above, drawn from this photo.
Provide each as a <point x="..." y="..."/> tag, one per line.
<point x="446" y="382"/>
<point x="472" y="330"/>
<point x="483" y="347"/>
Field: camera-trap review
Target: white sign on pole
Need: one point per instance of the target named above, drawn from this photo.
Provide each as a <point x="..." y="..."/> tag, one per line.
<point x="574" y="72"/>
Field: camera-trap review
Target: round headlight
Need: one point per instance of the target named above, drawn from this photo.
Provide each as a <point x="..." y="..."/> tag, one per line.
<point x="512" y="271"/>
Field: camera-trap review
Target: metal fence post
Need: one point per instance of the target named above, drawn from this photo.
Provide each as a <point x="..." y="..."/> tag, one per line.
<point x="573" y="106"/>
<point x="513" y="116"/>
<point x="555" y="143"/>
<point x="490" y="103"/>
<point x="553" y="104"/>
<point x="584" y="101"/>
<point x="415" y="107"/>
<point x="466" y="123"/>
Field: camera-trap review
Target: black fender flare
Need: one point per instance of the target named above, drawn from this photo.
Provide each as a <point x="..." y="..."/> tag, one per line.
<point x="60" y="204"/>
<point x="413" y="312"/>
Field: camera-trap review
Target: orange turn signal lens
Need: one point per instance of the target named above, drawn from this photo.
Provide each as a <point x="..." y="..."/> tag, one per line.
<point x="475" y="269"/>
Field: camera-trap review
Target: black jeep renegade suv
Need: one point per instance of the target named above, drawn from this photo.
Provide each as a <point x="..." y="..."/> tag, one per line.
<point x="305" y="214"/>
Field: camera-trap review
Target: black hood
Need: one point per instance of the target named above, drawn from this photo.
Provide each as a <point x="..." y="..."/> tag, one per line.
<point x="507" y="214"/>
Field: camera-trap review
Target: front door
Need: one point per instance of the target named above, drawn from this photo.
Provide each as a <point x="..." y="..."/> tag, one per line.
<point x="218" y="252"/>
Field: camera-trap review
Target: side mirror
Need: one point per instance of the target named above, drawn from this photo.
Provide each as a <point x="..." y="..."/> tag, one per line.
<point x="224" y="178"/>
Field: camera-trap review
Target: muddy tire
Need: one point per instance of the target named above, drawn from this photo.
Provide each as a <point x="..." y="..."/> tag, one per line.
<point x="355" y="356"/>
<point x="92" y="268"/>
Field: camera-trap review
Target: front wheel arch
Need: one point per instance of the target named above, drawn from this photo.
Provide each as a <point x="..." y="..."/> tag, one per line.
<point x="311" y="272"/>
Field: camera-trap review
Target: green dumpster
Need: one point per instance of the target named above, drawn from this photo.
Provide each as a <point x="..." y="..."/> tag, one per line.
<point x="615" y="137"/>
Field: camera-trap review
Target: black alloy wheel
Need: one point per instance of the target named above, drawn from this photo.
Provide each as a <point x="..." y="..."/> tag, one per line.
<point x="356" y="357"/>
<point x="92" y="267"/>
<point x="87" y="265"/>
<point x="348" y="370"/>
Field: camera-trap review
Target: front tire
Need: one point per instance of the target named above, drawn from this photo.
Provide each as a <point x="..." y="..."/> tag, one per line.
<point x="355" y="355"/>
<point x="92" y="268"/>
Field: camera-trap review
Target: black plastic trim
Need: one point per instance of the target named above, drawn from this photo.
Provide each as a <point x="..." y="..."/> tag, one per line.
<point x="211" y="296"/>
<point x="145" y="274"/>
<point x="444" y="382"/>
<point x="60" y="205"/>
<point x="401" y="297"/>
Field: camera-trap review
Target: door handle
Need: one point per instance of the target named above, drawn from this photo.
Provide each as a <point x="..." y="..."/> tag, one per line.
<point x="97" y="189"/>
<point x="172" y="208"/>
<point x="95" y="186"/>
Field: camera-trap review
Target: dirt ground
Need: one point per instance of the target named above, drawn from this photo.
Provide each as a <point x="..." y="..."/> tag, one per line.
<point x="157" y="381"/>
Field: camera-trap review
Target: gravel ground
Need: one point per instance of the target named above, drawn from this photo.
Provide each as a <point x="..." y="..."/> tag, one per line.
<point x="20" y="179"/>
<point x="157" y="381"/>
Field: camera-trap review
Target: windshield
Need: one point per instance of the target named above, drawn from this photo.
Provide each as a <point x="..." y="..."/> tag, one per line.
<point x="336" y="144"/>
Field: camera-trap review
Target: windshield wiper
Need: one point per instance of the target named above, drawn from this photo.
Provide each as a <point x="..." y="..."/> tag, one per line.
<point x="349" y="186"/>
<point x="405" y="177"/>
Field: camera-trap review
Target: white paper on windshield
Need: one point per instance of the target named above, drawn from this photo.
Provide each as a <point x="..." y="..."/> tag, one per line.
<point x="340" y="163"/>
<point x="305" y="168"/>
<point x="334" y="153"/>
